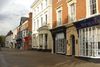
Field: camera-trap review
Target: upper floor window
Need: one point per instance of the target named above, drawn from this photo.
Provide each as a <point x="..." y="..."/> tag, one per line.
<point x="41" y="21"/>
<point x="46" y="18"/>
<point x="46" y="2"/>
<point x="41" y="6"/>
<point x="34" y="25"/>
<point x="34" y="11"/>
<point x="93" y="8"/>
<point x="72" y="12"/>
<point x="38" y="9"/>
<point x="59" y="16"/>
<point x="37" y="23"/>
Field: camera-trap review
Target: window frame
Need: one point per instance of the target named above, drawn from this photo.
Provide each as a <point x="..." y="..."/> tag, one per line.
<point x="88" y="13"/>
<point x="69" y="14"/>
<point x="59" y="9"/>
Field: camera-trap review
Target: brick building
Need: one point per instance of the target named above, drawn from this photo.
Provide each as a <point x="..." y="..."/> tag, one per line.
<point x="24" y="40"/>
<point x="60" y="18"/>
<point x="76" y="27"/>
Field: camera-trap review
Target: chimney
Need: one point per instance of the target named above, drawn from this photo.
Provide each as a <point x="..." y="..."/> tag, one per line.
<point x="30" y="15"/>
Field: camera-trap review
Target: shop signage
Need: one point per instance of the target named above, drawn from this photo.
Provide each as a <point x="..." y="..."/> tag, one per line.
<point x="88" y="22"/>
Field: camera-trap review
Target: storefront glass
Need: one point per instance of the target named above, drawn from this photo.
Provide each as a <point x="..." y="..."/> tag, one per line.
<point x="60" y="43"/>
<point x="89" y="40"/>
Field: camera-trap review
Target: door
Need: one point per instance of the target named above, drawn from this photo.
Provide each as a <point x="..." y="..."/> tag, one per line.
<point x="46" y="36"/>
<point x="73" y="44"/>
<point x="60" y="43"/>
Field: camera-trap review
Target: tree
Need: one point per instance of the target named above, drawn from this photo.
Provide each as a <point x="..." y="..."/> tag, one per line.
<point x="2" y="40"/>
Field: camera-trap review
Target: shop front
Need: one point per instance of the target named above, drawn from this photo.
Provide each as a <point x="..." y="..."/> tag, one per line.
<point x="19" y="43"/>
<point x="59" y="40"/>
<point x="89" y="37"/>
<point x="27" y="42"/>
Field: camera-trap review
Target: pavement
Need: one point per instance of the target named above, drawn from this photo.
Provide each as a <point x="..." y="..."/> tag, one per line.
<point x="22" y="58"/>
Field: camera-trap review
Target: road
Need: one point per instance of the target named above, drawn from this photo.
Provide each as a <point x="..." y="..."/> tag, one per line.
<point x="21" y="58"/>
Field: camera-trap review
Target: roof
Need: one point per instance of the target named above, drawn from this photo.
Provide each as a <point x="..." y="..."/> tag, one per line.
<point x="23" y="19"/>
<point x="9" y="33"/>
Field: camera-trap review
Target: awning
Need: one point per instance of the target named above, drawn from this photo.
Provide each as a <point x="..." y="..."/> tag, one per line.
<point x="27" y="38"/>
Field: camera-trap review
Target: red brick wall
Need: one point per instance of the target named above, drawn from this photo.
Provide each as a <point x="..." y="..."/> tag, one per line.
<point x="80" y="9"/>
<point x="99" y="5"/>
<point x="30" y="22"/>
<point x="63" y="4"/>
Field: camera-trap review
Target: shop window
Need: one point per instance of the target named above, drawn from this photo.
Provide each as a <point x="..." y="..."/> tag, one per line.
<point x="98" y="45"/>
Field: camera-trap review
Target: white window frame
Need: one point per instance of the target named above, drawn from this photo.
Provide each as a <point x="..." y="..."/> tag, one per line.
<point x="69" y="14"/>
<point x="88" y="8"/>
<point x="92" y="40"/>
<point x="58" y="9"/>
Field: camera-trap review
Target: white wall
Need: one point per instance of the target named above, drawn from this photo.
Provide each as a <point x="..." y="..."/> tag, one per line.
<point x="38" y="13"/>
<point x="8" y="41"/>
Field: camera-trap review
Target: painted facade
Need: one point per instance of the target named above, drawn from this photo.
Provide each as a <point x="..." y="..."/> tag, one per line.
<point x="9" y="40"/>
<point x="24" y="33"/>
<point x="14" y="37"/>
<point x="42" y="22"/>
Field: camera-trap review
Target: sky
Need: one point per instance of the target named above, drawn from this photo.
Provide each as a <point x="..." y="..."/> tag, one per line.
<point x="11" y="12"/>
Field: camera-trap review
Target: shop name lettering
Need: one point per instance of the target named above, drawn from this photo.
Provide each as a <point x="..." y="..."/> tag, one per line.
<point x="89" y="23"/>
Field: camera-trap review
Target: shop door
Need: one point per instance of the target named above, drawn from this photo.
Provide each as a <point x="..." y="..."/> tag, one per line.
<point x="73" y="44"/>
<point x="60" y="43"/>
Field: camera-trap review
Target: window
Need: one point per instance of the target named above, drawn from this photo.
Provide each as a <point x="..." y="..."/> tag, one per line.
<point x="41" y="6"/>
<point x="90" y="44"/>
<point x="37" y="23"/>
<point x="93" y="7"/>
<point x="34" y="11"/>
<point x="59" y="17"/>
<point x="46" y="2"/>
<point x="38" y="9"/>
<point x="34" y="25"/>
<point x="72" y="12"/>
<point x="41" y="21"/>
<point x="46" y="18"/>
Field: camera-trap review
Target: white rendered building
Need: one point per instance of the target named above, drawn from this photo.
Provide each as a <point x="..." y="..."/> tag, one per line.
<point x="41" y="23"/>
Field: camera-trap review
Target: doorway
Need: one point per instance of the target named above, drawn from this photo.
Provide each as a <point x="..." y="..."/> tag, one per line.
<point x="73" y="44"/>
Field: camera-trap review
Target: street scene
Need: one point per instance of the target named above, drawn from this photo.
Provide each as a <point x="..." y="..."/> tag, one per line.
<point x="20" y="58"/>
<point x="49" y="33"/>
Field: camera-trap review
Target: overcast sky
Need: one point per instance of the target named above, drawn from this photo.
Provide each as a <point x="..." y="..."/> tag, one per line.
<point x="10" y="13"/>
